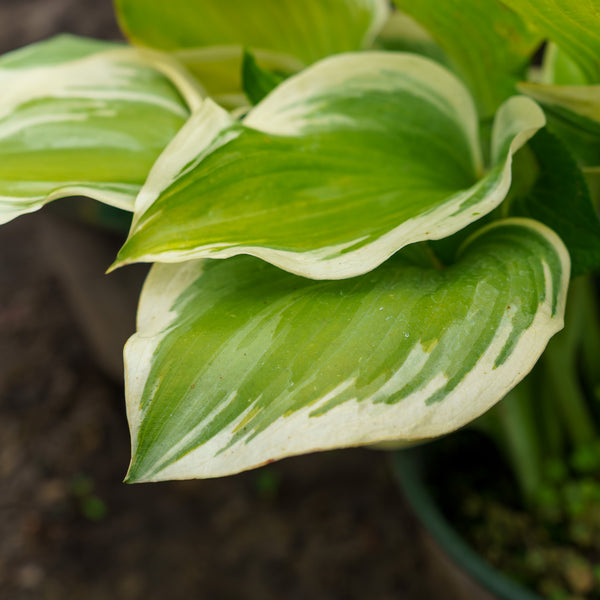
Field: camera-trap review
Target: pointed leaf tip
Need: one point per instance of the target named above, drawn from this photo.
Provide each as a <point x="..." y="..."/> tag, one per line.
<point x="330" y="157"/>
<point x="236" y="363"/>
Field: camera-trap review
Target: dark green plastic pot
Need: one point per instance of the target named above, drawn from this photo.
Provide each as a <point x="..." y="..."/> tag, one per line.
<point x="410" y="469"/>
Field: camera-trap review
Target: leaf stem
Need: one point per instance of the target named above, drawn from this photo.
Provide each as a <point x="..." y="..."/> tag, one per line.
<point x="521" y="441"/>
<point x="560" y="367"/>
<point x="546" y="419"/>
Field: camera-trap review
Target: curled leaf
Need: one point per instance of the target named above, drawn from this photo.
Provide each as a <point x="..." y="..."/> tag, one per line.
<point x="236" y="363"/>
<point x="334" y="171"/>
<point x="81" y="117"/>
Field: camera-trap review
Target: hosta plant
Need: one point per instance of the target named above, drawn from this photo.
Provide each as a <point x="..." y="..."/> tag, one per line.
<point x="363" y="220"/>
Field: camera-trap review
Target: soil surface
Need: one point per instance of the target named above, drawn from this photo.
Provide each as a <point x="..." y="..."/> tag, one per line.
<point x="327" y="526"/>
<point x="551" y="547"/>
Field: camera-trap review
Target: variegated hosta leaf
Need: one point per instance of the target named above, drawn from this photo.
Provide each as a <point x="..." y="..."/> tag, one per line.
<point x="81" y="117"/>
<point x="559" y="69"/>
<point x="208" y="35"/>
<point x="402" y="33"/>
<point x="305" y="29"/>
<point x="560" y="198"/>
<point x="574" y="114"/>
<point x="488" y="44"/>
<point x="572" y="106"/>
<point x="334" y="171"/>
<point x="236" y="363"/>
<point x="574" y="26"/>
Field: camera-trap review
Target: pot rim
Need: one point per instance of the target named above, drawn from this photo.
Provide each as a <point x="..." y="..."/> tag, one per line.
<point x="408" y="470"/>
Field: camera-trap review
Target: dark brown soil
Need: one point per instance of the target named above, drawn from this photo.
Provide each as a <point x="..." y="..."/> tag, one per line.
<point x="26" y="21"/>
<point x="328" y="526"/>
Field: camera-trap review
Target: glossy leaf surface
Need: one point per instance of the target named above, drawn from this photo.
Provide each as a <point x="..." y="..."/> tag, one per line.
<point x="334" y="171"/>
<point x="236" y="363"/>
<point x="81" y="117"/>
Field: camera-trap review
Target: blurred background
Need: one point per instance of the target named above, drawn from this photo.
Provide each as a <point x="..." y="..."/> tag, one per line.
<point x="327" y="526"/>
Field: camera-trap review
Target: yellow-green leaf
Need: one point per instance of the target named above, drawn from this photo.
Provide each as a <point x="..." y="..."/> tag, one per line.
<point x="573" y="25"/>
<point x="81" y="117"/>
<point x="306" y="29"/>
<point x="334" y="171"/>
<point x="236" y="363"/>
<point x="208" y="36"/>
<point x="488" y="44"/>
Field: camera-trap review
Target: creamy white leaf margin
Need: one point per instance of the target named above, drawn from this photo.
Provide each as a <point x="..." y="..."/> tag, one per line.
<point x="356" y="421"/>
<point x="99" y="78"/>
<point x="205" y="130"/>
<point x="293" y="110"/>
<point x="583" y="100"/>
